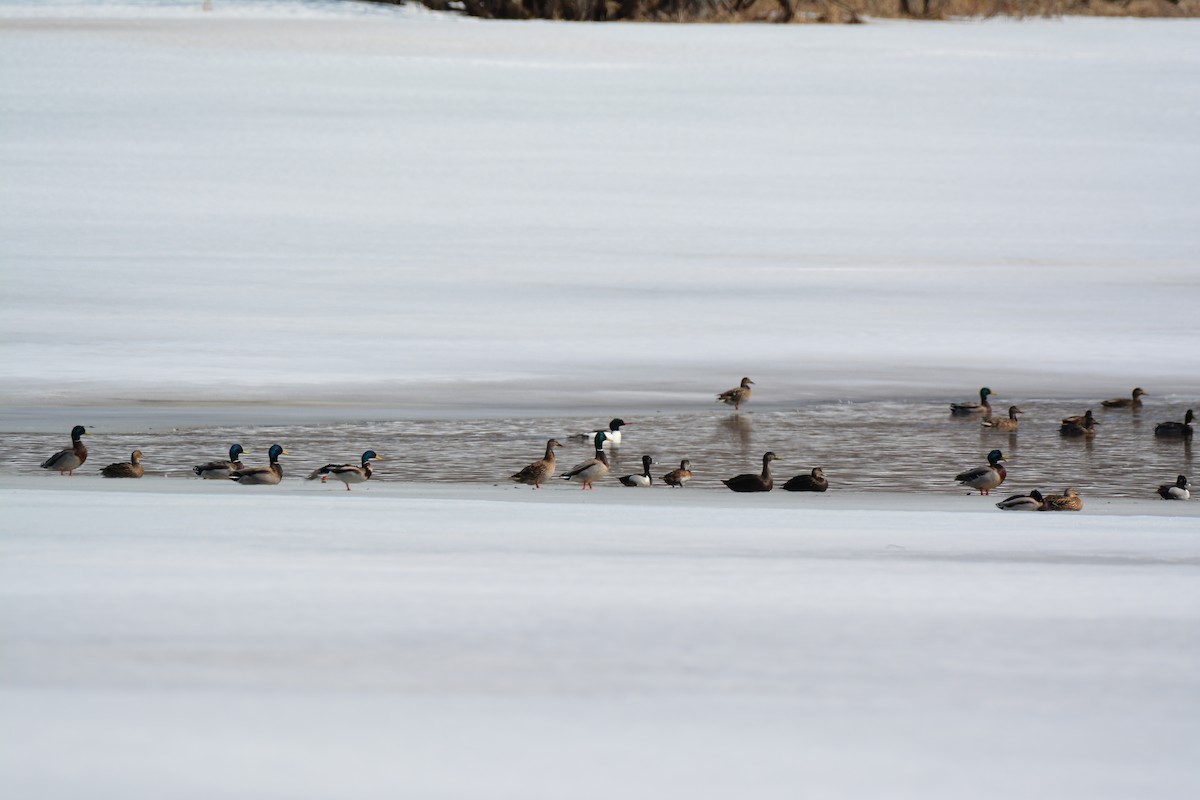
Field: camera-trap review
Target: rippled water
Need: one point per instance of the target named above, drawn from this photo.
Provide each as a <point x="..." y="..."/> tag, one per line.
<point x="868" y="446"/>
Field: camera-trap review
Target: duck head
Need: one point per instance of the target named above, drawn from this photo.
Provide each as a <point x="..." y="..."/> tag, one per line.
<point x="235" y="451"/>
<point x="370" y="454"/>
<point x="995" y="457"/>
<point x="78" y="431"/>
<point x="275" y="452"/>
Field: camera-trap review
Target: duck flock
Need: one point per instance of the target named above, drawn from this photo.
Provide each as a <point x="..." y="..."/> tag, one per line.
<point x="983" y="478"/>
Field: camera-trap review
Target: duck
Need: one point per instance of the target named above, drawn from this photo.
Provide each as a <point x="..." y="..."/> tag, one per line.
<point x="640" y="480"/>
<point x="262" y="476"/>
<point x="612" y="434"/>
<point x="539" y="471"/>
<point x="593" y="469"/>
<point x="73" y="457"/>
<point x="1069" y="500"/>
<point x="1003" y="423"/>
<point x="967" y="409"/>
<point x="678" y="477"/>
<point x="347" y="473"/>
<point x="813" y="482"/>
<point x="126" y="469"/>
<point x="1086" y="427"/>
<point x="737" y="395"/>
<point x="220" y="469"/>
<point x="985" y="478"/>
<point x="750" y="482"/>
<point x="1133" y="401"/>
<point x="1023" y="502"/>
<point x="1165" y="430"/>
<point x="1175" y="491"/>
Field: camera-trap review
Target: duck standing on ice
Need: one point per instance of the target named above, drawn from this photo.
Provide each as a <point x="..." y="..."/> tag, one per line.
<point x="985" y="478"/>
<point x="72" y="458"/>
<point x="737" y="395"/>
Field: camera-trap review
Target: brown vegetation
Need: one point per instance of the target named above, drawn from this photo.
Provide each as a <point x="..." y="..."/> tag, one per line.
<point x="835" y="11"/>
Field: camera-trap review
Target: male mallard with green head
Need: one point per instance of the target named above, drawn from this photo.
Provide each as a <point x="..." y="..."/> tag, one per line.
<point x="985" y="478"/>
<point x="72" y="458"/>
<point x="262" y="476"/>
<point x="967" y="409"/>
<point x="591" y="470"/>
<point x="214" y="470"/>
<point x="347" y="473"/>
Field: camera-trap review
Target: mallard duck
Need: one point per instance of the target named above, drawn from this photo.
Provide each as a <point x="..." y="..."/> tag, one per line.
<point x="591" y="470"/>
<point x="1069" y="500"/>
<point x="1086" y="428"/>
<point x="967" y="409"/>
<point x="262" y="476"/>
<point x="1077" y="419"/>
<point x="678" y="477"/>
<point x="985" y="478"/>
<point x="1165" y="430"/>
<point x="749" y="482"/>
<point x="814" y="482"/>
<point x="1003" y="424"/>
<point x="221" y="469"/>
<point x="72" y="458"/>
<point x="1023" y="502"/>
<point x="737" y="395"/>
<point x="539" y="471"/>
<point x="347" y="473"/>
<point x="1175" y="491"/>
<point x="612" y="434"/>
<point x="126" y="469"/>
<point x="640" y="480"/>
<point x="1135" y="401"/>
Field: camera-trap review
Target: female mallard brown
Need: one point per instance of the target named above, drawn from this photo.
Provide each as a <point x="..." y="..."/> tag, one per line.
<point x="72" y="458"/>
<point x="1134" y="401"/>
<point x="220" y="469"/>
<point x="262" y="476"/>
<point x="1069" y="500"/>
<point x="749" y="482"/>
<point x="1023" y="502"/>
<point x="591" y="470"/>
<point x="539" y="471"/>
<point x="814" y="482"/>
<point x="1165" y="430"/>
<point x="1175" y="491"/>
<point x="1086" y="428"/>
<point x="967" y="409"/>
<point x="347" y="473"/>
<point x="1004" y="424"/>
<point x="678" y="477"/>
<point x="737" y="395"/>
<point x="126" y="469"/>
<point x="985" y="478"/>
<point x="640" y="480"/>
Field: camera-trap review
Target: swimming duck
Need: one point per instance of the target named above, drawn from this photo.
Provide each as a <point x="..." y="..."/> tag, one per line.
<point x="640" y="480"/>
<point x="1165" y="430"/>
<point x="1023" y="502"/>
<point x="967" y="409"/>
<point x="1003" y="424"/>
<point x="612" y="434"/>
<point x="593" y="469"/>
<point x="749" y="482"/>
<point x="1069" y="500"/>
<point x="262" y="476"/>
<point x="1175" y="491"/>
<point x="1075" y="429"/>
<point x="814" y="482"/>
<point x="985" y="478"/>
<point x="539" y="471"/>
<point x="72" y="458"/>
<point x="1134" y="401"/>
<point x="678" y="477"/>
<point x="347" y="473"/>
<point x="126" y="469"/>
<point x="220" y="469"/>
<point x="737" y="395"/>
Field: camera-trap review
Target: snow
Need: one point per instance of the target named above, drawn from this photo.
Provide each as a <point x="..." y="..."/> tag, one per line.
<point x="338" y="202"/>
<point x="198" y="640"/>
